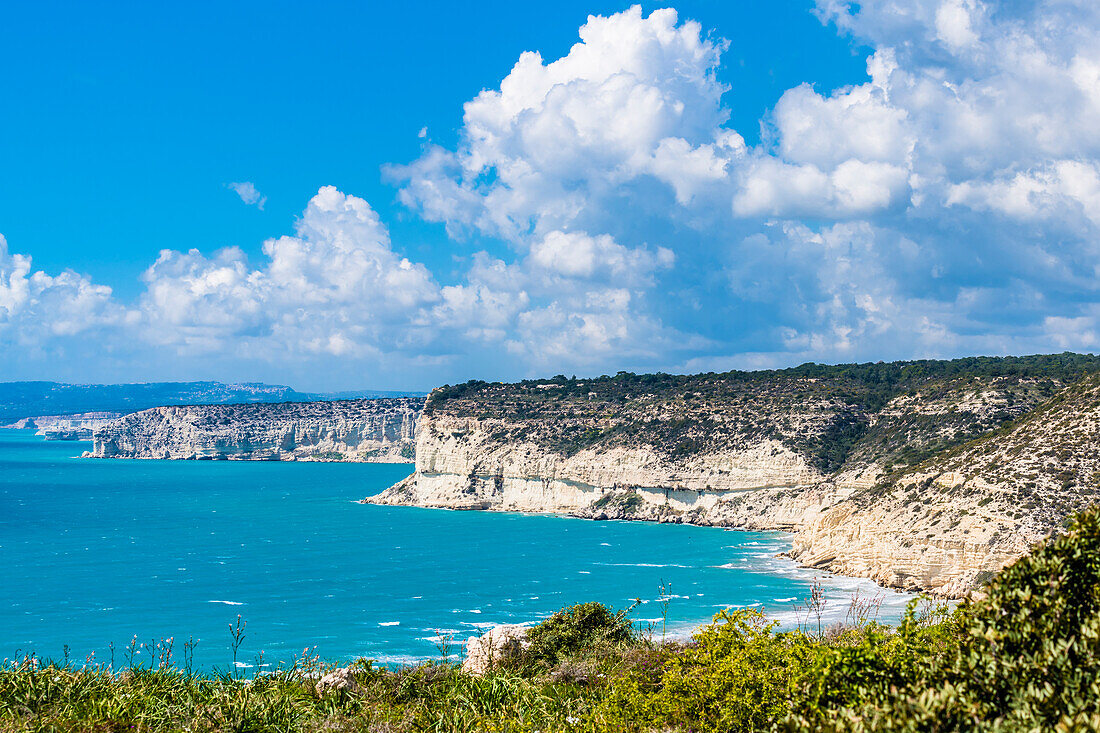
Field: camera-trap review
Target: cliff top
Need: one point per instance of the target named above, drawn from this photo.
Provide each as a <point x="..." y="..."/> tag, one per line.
<point x="840" y="417"/>
<point x="269" y="412"/>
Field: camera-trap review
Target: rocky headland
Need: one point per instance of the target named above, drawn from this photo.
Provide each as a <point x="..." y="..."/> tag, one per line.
<point x="80" y="426"/>
<point x="373" y="430"/>
<point x="927" y="475"/>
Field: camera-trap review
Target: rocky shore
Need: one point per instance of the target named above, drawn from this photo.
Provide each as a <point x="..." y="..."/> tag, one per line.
<point x="929" y="476"/>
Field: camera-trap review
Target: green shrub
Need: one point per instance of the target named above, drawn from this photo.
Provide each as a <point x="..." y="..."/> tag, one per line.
<point x="738" y="675"/>
<point x="578" y="628"/>
<point x="1032" y="652"/>
<point x="865" y="667"/>
<point x="629" y="502"/>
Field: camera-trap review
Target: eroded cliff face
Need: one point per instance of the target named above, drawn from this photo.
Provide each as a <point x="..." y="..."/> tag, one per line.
<point x="380" y="430"/>
<point x="460" y="465"/>
<point x="948" y="523"/>
<point x="831" y="457"/>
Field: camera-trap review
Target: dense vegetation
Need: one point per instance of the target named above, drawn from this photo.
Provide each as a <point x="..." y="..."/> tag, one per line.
<point x="828" y="413"/>
<point x="1026" y="658"/>
<point x="884" y="377"/>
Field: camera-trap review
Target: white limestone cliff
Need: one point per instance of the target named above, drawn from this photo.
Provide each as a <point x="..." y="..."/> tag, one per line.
<point x="759" y="460"/>
<point x="78" y="426"/>
<point x="375" y="430"/>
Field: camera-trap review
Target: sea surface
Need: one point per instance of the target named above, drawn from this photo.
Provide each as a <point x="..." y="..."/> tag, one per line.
<point x="100" y="552"/>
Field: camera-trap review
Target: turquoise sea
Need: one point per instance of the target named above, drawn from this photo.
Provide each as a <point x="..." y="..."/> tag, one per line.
<point x="94" y="552"/>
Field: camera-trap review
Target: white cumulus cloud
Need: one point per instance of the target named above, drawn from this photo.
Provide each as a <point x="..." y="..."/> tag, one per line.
<point x="249" y="194"/>
<point x="336" y="287"/>
<point x="948" y="202"/>
<point x="44" y="315"/>
<point x="636" y="97"/>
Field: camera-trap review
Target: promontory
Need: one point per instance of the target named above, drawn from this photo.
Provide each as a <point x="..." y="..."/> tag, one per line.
<point x="924" y="475"/>
<point x="379" y="430"/>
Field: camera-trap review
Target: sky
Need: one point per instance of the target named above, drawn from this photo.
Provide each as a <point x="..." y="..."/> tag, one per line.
<point x="359" y="195"/>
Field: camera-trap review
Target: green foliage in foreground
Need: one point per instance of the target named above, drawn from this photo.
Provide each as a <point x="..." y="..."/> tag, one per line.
<point x="1027" y="658"/>
<point x="572" y="631"/>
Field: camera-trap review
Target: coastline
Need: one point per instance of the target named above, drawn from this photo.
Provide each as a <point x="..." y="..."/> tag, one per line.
<point x="184" y="537"/>
<point x="841" y="593"/>
<point x="678" y="519"/>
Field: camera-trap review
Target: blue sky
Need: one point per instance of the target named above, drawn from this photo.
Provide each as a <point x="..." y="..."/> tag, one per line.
<point x="137" y="116"/>
<point x="737" y="193"/>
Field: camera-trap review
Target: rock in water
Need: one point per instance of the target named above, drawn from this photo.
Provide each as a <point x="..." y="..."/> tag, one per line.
<point x="483" y="652"/>
<point x="340" y="680"/>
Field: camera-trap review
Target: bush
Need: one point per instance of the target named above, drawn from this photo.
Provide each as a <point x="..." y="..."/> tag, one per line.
<point x="583" y="627"/>
<point x="866" y="667"/>
<point x="1032" y="651"/>
<point x="738" y="676"/>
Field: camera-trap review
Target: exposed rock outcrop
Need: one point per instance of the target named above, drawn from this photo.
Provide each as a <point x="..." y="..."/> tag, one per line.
<point x="379" y="430"/>
<point x="339" y="680"/>
<point x="810" y="450"/>
<point x="496" y="645"/>
<point x="947" y="523"/>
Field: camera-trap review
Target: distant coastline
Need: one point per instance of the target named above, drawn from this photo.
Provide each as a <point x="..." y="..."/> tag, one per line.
<point x="380" y="430"/>
<point x="923" y="476"/>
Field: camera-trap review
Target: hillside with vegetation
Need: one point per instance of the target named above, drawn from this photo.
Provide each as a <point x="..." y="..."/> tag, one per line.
<point x="990" y="497"/>
<point x="897" y="412"/>
<point x="1025" y="658"/>
<point x="823" y="451"/>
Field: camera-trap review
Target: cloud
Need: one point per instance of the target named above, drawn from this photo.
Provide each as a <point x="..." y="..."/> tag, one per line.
<point x="249" y="194"/>
<point x="962" y="174"/>
<point x="637" y="97"/>
<point x="773" y="188"/>
<point x="851" y="289"/>
<point x="42" y="314"/>
<point x="575" y="301"/>
<point x="578" y="255"/>
<point x="335" y="287"/>
<point x="947" y="203"/>
<point x="1063" y="189"/>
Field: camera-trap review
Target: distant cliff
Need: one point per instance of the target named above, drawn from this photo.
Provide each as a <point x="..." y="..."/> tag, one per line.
<point x="837" y="454"/>
<point x="80" y="426"/>
<point x="380" y="430"/>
